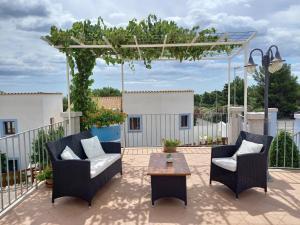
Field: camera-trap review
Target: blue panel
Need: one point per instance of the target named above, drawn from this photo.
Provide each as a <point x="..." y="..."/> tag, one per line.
<point x="111" y="133"/>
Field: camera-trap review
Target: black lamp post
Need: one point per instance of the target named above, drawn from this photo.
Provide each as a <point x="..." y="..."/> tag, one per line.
<point x="270" y="64"/>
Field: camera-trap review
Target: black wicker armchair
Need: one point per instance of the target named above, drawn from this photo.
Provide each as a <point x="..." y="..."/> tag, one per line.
<point x="73" y="177"/>
<point x="251" y="169"/>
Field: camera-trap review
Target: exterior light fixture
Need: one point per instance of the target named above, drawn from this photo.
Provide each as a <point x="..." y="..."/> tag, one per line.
<point x="270" y="64"/>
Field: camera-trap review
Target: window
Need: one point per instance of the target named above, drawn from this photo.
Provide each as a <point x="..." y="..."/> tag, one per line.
<point x="9" y="127"/>
<point x="12" y="163"/>
<point x="184" y="121"/>
<point x="135" y="123"/>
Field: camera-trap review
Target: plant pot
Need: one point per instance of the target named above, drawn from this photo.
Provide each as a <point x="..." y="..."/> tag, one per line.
<point x="49" y="183"/>
<point x="106" y="134"/>
<point x="169" y="149"/>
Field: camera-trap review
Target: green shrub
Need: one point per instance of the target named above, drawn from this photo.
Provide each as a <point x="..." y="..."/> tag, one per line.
<point x="39" y="152"/>
<point x="287" y="148"/>
<point x="45" y="174"/>
<point x="105" y="117"/>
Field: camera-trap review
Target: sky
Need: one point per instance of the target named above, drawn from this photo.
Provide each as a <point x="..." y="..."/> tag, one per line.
<point x="27" y="64"/>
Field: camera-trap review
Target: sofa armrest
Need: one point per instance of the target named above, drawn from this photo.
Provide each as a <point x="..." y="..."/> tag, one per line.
<point x="223" y="151"/>
<point x="66" y="172"/>
<point x="111" y="147"/>
<point x="252" y="164"/>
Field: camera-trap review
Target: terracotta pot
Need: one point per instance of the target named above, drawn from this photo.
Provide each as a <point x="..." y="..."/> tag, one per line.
<point x="169" y="149"/>
<point x="49" y="183"/>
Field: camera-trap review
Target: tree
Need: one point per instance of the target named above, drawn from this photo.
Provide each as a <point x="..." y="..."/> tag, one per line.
<point x="106" y="92"/>
<point x="284" y="91"/>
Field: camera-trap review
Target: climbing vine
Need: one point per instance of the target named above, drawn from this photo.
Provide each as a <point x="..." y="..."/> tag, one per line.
<point x="151" y="30"/>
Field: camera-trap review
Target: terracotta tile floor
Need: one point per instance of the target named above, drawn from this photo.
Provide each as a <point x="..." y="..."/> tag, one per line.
<point x="126" y="200"/>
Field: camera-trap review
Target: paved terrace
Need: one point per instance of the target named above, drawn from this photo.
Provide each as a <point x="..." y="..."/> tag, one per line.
<point x="126" y="200"/>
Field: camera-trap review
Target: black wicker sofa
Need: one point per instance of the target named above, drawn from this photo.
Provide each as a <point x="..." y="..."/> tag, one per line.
<point x="247" y="170"/>
<point x="73" y="177"/>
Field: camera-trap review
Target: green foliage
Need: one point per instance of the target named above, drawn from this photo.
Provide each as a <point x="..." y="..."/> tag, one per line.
<point x="106" y="92"/>
<point x="150" y="30"/>
<point x="219" y="98"/>
<point x="169" y="143"/>
<point x="65" y="104"/>
<point x="284" y="91"/>
<point x="287" y="149"/>
<point x="105" y="117"/>
<point x="3" y="159"/>
<point x="39" y="153"/>
<point x="45" y="174"/>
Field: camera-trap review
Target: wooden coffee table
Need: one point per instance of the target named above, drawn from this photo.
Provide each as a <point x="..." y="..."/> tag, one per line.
<point x="168" y="179"/>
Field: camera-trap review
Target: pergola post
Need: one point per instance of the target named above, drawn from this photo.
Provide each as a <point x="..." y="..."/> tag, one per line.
<point x="122" y="104"/>
<point x="228" y="90"/>
<point x="122" y="80"/>
<point x="246" y="49"/>
<point x="69" y="99"/>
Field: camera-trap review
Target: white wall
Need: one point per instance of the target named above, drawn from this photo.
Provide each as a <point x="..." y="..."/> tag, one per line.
<point x="31" y="111"/>
<point x="158" y="102"/>
<point x="160" y="112"/>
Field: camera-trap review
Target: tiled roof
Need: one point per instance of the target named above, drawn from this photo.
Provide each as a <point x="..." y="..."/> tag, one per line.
<point x="108" y="102"/>
<point x="30" y="93"/>
<point x="162" y="91"/>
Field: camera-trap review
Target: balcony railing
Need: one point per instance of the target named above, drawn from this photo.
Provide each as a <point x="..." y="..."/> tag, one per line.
<point x="23" y="156"/>
<point x="149" y="130"/>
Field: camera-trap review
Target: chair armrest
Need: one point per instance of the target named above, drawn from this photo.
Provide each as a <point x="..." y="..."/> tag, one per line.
<point x="252" y="163"/>
<point x="111" y="147"/>
<point x="223" y="151"/>
<point x="70" y="171"/>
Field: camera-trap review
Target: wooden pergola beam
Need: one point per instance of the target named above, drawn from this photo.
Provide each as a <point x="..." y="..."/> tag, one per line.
<point x="80" y="43"/>
<point x="157" y="45"/>
<point x="110" y="46"/>
<point x="164" y="44"/>
<point x="137" y="46"/>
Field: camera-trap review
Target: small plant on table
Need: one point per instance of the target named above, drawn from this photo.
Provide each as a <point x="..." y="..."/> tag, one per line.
<point x="170" y="145"/>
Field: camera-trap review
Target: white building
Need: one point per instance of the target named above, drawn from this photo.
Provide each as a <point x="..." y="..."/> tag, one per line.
<point x="26" y="111"/>
<point x="156" y="115"/>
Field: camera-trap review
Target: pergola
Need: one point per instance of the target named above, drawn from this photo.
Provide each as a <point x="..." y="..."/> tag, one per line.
<point x="240" y="41"/>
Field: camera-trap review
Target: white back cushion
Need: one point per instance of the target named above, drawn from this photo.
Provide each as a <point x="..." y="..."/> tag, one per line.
<point x="92" y="147"/>
<point x="68" y="154"/>
<point x="247" y="147"/>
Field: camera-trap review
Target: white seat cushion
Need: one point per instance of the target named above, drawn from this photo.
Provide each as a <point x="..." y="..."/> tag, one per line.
<point x="247" y="147"/>
<point x="92" y="147"/>
<point x="227" y="163"/>
<point x="68" y="154"/>
<point x="100" y="163"/>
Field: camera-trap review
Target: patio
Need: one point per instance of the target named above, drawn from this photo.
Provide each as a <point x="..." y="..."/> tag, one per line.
<point x="126" y="200"/>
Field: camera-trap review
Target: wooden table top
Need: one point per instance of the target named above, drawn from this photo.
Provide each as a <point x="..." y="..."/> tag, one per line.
<point x="158" y="165"/>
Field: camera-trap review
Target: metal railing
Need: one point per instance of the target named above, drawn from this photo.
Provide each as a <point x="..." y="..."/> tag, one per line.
<point x="285" y="148"/>
<point x="189" y="129"/>
<point x="22" y="157"/>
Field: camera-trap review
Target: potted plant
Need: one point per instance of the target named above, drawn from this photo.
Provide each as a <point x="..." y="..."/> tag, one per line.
<point x="105" y="123"/>
<point x="47" y="175"/>
<point x="209" y="140"/>
<point x="170" y="145"/>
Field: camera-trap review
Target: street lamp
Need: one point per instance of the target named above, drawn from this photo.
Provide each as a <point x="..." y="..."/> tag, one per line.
<point x="270" y="64"/>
